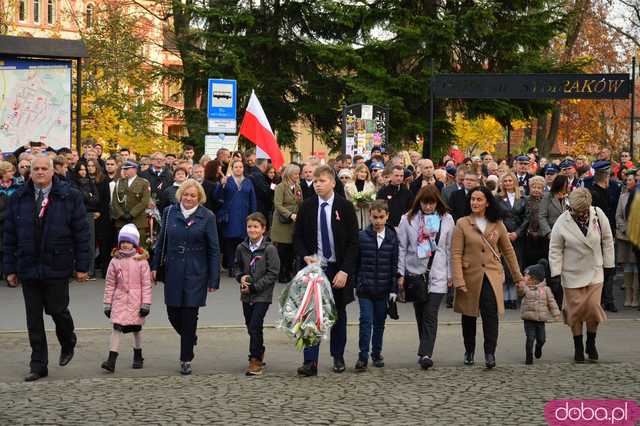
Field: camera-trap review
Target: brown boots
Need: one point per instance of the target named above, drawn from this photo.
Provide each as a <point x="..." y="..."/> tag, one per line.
<point x="255" y="367"/>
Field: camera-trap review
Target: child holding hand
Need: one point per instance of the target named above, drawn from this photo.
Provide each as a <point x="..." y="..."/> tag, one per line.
<point x="538" y="306"/>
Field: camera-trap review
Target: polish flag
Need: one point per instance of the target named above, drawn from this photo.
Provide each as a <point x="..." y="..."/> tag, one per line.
<point x="256" y="128"/>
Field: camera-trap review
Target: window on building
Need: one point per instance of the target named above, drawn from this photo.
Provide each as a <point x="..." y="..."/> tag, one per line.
<point x="22" y="10"/>
<point x="51" y="12"/>
<point x="89" y="15"/>
<point x="36" y="11"/>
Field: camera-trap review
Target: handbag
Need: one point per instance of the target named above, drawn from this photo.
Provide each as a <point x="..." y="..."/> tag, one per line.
<point x="160" y="273"/>
<point x="392" y="310"/>
<point x="417" y="286"/>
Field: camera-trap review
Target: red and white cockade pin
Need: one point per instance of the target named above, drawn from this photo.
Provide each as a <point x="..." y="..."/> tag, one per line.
<point x="43" y="209"/>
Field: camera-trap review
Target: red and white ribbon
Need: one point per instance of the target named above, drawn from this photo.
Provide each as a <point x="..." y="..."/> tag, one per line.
<point x="313" y="291"/>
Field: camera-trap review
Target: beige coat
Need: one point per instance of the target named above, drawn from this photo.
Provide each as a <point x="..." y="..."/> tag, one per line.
<point x="538" y="303"/>
<point x="471" y="259"/>
<point x="579" y="259"/>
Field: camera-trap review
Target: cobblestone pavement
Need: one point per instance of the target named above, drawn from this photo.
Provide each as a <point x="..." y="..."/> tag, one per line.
<point x="508" y="395"/>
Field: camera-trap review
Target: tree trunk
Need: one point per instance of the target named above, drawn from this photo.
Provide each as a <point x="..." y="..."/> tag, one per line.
<point x="546" y="141"/>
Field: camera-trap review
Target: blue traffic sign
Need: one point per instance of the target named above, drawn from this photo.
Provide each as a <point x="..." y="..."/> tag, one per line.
<point x="222" y="99"/>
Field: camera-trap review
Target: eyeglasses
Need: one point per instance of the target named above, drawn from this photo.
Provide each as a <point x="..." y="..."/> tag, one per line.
<point x="24" y="167"/>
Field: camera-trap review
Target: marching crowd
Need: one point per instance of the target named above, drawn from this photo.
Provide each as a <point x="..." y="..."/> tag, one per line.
<point x="480" y="234"/>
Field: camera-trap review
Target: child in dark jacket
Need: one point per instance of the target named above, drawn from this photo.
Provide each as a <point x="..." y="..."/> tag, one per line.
<point x="376" y="282"/>
<point x="257" y="267"/>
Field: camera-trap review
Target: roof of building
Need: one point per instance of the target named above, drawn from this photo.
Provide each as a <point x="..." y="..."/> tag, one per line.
<point x="42" y="47"/>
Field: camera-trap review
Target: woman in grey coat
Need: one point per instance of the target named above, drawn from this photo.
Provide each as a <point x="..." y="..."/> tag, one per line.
<point x="425" y="237"/>
<point x="553" y="205"/>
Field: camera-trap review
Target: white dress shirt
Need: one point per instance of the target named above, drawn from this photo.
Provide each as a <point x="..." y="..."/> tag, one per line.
<point x="253" y="247"/>
<point x="327" y="212"/>
<point x="380" y="236"/>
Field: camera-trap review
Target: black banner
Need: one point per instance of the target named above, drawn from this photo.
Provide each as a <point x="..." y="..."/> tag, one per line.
<point x="532" y="86"/>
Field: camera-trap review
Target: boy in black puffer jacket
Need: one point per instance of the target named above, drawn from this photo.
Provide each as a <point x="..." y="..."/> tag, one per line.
<point x="376" y="281"/>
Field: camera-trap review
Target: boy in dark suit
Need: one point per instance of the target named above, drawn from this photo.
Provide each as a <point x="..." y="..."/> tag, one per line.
<point x="327" y="227"/>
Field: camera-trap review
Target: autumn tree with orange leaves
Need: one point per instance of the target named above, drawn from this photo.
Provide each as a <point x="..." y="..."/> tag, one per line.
<point x="587" y="125"/>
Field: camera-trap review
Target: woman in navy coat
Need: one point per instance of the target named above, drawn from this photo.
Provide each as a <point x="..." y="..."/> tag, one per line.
<point x="189" y="241"/>
<point x="239" y="201"/>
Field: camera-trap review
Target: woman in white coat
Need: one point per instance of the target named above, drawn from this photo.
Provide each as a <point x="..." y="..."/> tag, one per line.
<point x="581" y="253"/>
<point x="424" y="263"/>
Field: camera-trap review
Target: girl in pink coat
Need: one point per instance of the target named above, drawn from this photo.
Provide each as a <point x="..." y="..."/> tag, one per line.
<point x="127" y="294"/>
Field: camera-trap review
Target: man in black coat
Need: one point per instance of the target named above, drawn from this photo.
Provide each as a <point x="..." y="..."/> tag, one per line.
<point x="326" y="228"/>
<point x="262" y="187"/>
<point x="306" y="182"/>
<point x="158" y="176"/>
<point x="522" y="172"/>
<point x="397" y="196"/>
<point x="601" y="198"/>
<point x="46" y="238"/>
<point x="458" y="201"/>
<point x="427" y="176"/>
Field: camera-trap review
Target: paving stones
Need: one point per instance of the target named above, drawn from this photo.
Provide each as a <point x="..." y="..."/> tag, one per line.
<point x="445" y="395"/>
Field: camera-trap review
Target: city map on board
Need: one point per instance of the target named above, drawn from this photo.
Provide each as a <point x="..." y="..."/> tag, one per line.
<point x="35" y="103"/>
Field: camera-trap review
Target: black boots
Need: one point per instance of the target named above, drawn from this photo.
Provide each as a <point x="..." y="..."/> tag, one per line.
<point x="591" y="350"/>
<point x="110" y="364"/>
<point x="578" y="349"/>
<point x="137" y="359"/>
<point x="529" y="351"/>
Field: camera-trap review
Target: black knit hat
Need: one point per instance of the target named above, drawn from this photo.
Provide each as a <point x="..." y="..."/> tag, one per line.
<point x="537" y="271"/>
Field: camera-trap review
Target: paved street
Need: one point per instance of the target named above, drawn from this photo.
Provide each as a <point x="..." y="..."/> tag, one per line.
<point x="223" y="308"/>
<point x="219" y="393"/>
<point x="511" y="395"/>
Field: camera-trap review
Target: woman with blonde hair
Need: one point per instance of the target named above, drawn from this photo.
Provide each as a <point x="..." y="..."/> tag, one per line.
<point x="361" y="192"/>
<point x="188" y="253"/>
<point x="8" y="186"/>
<point x="287" y="199"/>
<point x="511" y="201"/>
<point x="581" y="253"/>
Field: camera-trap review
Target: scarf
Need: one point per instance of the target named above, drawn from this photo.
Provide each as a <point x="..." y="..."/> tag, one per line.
<point x="186" y="213"/>
<point x="121" y="254"/>
<point x="582" y="220"/>
<point x="429" y="226"/>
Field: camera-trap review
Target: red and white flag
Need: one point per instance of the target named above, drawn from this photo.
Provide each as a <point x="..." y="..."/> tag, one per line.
<point x="257" y="129"/>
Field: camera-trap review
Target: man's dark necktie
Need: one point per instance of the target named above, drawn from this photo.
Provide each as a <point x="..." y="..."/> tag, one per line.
<point x="324" y="233"/>
<point x="39" y="200"/>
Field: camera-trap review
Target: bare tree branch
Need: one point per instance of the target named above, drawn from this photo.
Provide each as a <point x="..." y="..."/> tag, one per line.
<point x="625" y="33"/>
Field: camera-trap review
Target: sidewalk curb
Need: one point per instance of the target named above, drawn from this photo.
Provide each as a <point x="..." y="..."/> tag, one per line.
<point x="273" y="326"/>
